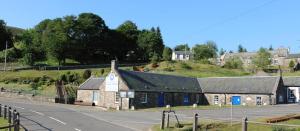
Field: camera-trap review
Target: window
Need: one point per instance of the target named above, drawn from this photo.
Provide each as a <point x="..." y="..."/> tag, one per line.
<point x="292" y="93"/>
<point x="144" y="98"/>
<point x="183" y="56"/>
<point x="117" y="97"/>
<point x="258" y="100"/>
<point x="178" y="56"/>
<point x="216" y="99"/>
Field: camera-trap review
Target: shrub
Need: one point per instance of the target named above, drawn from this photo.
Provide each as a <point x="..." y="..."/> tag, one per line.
<point x="87" y="74"/>
<point x="185" y="66"/>
<point x="169" y="69"/>
<point x="291" y="64"/>
<point x="102" y="71"/>
<point x="234" y="63"/>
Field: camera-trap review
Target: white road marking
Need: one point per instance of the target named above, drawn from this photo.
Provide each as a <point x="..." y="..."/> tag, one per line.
<point x="19" y="107"/>
<point x="37" y="112"/>
<point x="57" y="120"/>
<point x="77" y="129"/>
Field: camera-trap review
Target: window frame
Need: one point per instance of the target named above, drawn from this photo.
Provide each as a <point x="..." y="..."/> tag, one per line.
<point x="144" y="98"/>
<point x="216" y="99"/>
<point x="117" y="97"/>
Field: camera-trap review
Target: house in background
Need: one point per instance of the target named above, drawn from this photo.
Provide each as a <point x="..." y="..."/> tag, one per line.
<point x="182" y="55"/>
<point x="280" y="56"/>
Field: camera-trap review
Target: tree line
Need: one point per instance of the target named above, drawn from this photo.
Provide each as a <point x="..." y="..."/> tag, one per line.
<point x="84" y="38"/>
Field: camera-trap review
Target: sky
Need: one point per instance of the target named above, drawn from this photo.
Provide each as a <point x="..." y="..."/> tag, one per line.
<point x="252" y="23"/>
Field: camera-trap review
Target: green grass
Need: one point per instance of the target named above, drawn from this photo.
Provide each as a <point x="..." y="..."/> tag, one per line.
<point x="226" y="126"/>
<point x="3" y="122"/>
<point x="195" y="69"/>
<point x="199" y="107"/>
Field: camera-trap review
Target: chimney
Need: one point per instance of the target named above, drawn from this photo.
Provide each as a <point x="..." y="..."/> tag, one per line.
<point x="114" y="65"/>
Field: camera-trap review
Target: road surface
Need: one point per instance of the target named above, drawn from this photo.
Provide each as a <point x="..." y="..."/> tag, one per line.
<point x="38" y="116"/>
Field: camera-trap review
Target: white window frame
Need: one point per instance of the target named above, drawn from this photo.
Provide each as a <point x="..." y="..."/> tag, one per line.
<point x="259" y="104"/>
<point x="216" y="99"/>
<point x="117" y="97"/>
<point x="145" y="96"/>
<point x="291" y="91"/>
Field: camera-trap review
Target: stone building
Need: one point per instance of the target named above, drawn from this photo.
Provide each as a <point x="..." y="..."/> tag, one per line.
<point x="122" y="89"/>
<point x="125" y="89"/>
<point x="88" y="92"/>
<point x="254" y="90"/>
<point x="280" y="56"/>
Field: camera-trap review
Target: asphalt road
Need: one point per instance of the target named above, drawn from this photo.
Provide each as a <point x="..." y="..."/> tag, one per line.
<point x="53" y="117"/>
<point x="59" y="117"/>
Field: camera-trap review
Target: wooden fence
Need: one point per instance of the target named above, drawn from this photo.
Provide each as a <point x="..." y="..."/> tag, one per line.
<point x="12" y="117"/>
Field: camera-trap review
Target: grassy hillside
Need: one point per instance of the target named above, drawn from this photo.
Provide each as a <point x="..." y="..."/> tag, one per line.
<point x="194" y="69"/>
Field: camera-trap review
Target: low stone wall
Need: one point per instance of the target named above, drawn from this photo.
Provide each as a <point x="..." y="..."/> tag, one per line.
<point x="27" y="97"/>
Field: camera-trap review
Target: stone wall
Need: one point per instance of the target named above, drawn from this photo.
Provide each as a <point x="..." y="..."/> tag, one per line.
<point x="85" y="95"/>
<point x="246" y="99"/>
<point x="170" y="98"/>
<point x="107" y="98"/>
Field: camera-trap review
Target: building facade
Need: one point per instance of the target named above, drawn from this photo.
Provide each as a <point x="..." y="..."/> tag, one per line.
<point x="182" y="55"/>
<point x="280" y="56"/>
<point x="122" y="89"/>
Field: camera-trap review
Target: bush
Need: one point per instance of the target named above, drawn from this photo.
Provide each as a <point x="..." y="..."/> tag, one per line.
<point x="87" y="74"/>
<point x="185" y="66"/>
<point x="169" y="69"/>
<point x="277" y="128"/>
<point x="291" y="64"/>
<point x="234" y="63"/>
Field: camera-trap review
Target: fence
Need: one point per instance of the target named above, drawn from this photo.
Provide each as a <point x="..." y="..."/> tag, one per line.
<point x="12" y="117"/>
<point x="195" y="125"/>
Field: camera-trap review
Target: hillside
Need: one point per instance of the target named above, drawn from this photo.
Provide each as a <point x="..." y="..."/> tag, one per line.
<point x="194" y="69"/>
<point x="15" y="30"/>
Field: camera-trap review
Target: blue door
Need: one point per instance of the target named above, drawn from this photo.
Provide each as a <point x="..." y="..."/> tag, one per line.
<point x="161" y="100"/>
<point x="186" y="99"/>
<point x="236" y="100"/>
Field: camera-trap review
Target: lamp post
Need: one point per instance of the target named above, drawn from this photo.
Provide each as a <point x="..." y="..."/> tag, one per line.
<point x="5" y="58"/>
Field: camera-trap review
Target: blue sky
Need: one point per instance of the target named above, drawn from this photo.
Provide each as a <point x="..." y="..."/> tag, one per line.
<point x="252" y="23"/>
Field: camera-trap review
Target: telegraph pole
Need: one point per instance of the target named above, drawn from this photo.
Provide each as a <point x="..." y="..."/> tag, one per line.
<point x="5" y="59"/>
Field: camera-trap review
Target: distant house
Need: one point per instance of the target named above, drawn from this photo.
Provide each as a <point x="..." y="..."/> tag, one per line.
<point x="182" y="55"/>
<point x="280" y="56"/>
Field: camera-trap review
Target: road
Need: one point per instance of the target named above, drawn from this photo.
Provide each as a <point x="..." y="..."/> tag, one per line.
<point x="53" y="117"/>
<point x="60" y="117"/>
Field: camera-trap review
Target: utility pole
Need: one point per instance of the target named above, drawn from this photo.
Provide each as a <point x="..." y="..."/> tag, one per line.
<point x="5" y="59"/>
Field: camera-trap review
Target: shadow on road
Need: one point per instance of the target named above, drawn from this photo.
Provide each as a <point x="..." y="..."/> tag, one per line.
<point x="36" y="123"/>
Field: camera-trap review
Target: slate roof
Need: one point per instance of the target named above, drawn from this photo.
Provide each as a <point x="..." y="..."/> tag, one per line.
<point x="239" y="85"/>
<point x="291" y="81"/>
<point x="291" y="56"/>
<point x="183" y="52"/>
<point x="140" y="81"/>
<point x="92" y="84"/>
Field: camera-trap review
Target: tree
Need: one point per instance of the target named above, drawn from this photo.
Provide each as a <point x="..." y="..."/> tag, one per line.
<point x="90" y="35"/>
<point x="292" y="64"/>
<point x="234" y="63"/>
<point x="222" y="51"/>
<point x="230" y="51"/>
<point x="182" y="47"/>
<point x="150" y="43"/>
<point x="203" y="51"/>
<point x="167" y="54"/>
<point x="271" y="48"/>
<point x="55" y="39"/>
<point x="262" y="59"/>
<point x="241" y="49"/>
<point x="5" y="36"/>
<point x="213" y="46"/>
